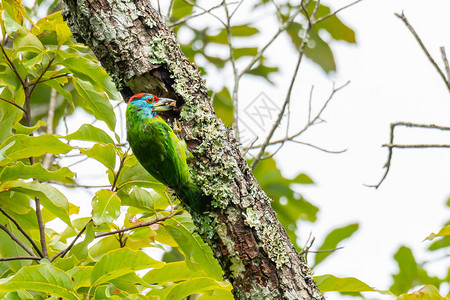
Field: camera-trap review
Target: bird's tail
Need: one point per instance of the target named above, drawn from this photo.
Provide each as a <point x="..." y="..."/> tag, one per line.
<point x="191" y="195"/>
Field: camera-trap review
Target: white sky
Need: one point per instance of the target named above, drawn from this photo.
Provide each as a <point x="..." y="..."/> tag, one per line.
<point x="391" y="80"/>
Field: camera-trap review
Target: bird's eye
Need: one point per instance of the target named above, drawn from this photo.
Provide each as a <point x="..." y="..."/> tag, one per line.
<point x="150" y="100"/>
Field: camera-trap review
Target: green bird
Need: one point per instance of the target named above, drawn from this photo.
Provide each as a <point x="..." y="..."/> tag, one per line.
<point x="158" y="149"/>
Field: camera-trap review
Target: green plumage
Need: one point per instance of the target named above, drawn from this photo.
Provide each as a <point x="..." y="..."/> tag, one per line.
<point x="158" y="149"/>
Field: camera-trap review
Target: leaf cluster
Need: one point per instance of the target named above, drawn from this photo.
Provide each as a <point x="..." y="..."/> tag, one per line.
<point x="47" y="248"/>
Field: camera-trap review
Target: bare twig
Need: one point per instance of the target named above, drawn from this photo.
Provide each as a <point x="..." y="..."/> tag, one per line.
<point x="425" y="50"/>
<point x="146" y="224"/>
<point x="319" y="148"/>
<point x="289" y="92"/>
<point x="65" y="251"/>
<point x="41" y="227"/>
<point x="325" y="251"/>
<point x="18" y="242"/>
<point x="260" y="53"/>
<point x="20" y="258"/>
<point x="316" y="120"/>
<point x="234" y="95"/>
<point x="391" y="144"/>
<point x="205" y="11"/>
<point x="445" y="60"/>
<point x="416" y="146"/>
<point x="25" y="234"/>
<point x="335" y="12"/>
<point x="48" y="158"/>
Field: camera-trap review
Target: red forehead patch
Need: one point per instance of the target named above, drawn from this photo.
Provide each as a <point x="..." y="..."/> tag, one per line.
<point x="136" y="96"/>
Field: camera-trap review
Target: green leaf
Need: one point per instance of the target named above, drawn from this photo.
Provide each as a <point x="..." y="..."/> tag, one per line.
<point x="316" y="49"/>
<point x="58" y="87"/>
<point x="80" y="250"/>
<point x="263" y="71"/>
<point x="333" y="239"/>
<point x="95" y="102"/>
<point x="25" y="146"/>
<point x="223" y="106"/>
<point x="331" y="283"/>
<point x="247" y="51"/>
<point x="80" y="276"/>
<point x="120" y="262"/>
<point x="88" y="70"/>
<point x="194" y="286"/>
<point x="105" y="207"/>
<point x="16" y="9"/>
<point x="145" y="200"/>
<point x="27" y="43"/>
<point x="172" y="272"/>
<point x="43" y="277"/>
<point x="181" y="9"/>
<point x="428" y="292"/>
<point x="36" y="171"/>
<point x="134" y="174"/>
<point x="410" y="273"/>
<point x="320" y="52"/>
<point x="20" y="129"/>
<point x="11" y="26"/>
<point x="88" y="132"/>
<point x="9" y="114"/>
<point x="236" y="31"/>
<point x="15" y="202"/>
<point x="216" y="294"/>
<point x="51" y="198"/>
<point x="445" y="231"/>
<point x="9" y="248"/>
<point x="198" y="254"/>
<point x="63" y="33"/>
<point x="103" y="153"/>
<point x="335" y="27"/>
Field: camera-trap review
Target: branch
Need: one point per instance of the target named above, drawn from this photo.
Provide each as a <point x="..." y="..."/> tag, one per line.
<point x="311" y="122"/>
<point x="16" y="105"/>
<point x="18" y="242"/>
<point x="41" y="227"/>
<point x="391" y="145"/>
<point x="33" y="85"/>
<point x="416" y="146"/>
<point x="205" y="11"/>
<point x="140" y="225"/>
<point x="444" y="59"/>
<point x="274" y="37"/>
<point x="291" y="86"/>
<point x="13" y="67"/>
<point x="319" y="148"/>
<point x="335" y="12"/>
<point x="28" y="237"/>
<point x="430" y="58"/>
<point x="234" y="95"/>
<point x="64" y="252"/>
<point x="20" y="258"/>
<point x="122" y="161"/>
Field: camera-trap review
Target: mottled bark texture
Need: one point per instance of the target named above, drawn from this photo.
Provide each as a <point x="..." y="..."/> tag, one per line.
<point x="141" y="54"/>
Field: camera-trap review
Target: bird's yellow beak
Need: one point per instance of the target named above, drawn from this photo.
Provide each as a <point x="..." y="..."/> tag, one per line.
<point x="164" y="104"/>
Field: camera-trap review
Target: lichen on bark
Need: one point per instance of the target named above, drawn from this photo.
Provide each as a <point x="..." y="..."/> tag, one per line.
<point x="141" y="54"/>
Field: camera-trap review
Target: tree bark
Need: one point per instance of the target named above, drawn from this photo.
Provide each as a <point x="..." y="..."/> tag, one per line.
<point x="141" y="54"/>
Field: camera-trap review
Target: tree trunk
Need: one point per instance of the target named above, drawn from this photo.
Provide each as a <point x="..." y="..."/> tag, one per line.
<point x="141" y="54"/>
